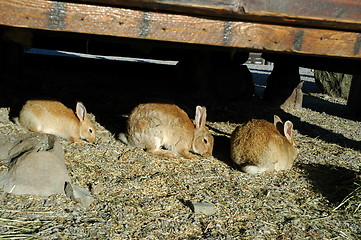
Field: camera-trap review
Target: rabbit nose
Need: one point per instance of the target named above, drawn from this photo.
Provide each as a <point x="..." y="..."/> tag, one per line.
<point x="91" y="139"/>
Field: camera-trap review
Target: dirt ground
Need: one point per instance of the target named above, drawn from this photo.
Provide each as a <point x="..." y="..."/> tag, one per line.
<point x="142" y="196"/>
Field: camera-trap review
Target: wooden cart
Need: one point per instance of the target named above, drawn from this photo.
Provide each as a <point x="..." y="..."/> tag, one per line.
<point x="323" y="34"/>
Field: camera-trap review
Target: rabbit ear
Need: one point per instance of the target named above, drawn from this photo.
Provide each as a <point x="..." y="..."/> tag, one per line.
<point x="278" y="124"/>
<point x="276" y="120"/>
<point x="300" y="85"/>
<point x="80" y="111"/>
<point x="201" y="115"/>
<point x="288" y="130"/>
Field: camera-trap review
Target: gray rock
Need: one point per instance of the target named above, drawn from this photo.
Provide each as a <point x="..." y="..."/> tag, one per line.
<point x="201" y="208"/>
<point x="78" y="194"/>
<point x="334" y="84"/>
<point x="96" y="188"/>
<point x="14" y="145"/>
<point x="35" y="164"/>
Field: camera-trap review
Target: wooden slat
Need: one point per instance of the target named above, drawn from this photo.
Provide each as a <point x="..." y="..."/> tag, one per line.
<point x="336" y="14"/>
<point x="332" y="14"/>
<point x="113" y="21"/>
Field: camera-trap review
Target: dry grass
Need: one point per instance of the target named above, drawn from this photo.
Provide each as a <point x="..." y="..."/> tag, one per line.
<point x="352" y="202"/>
<point x="142" y="196"/>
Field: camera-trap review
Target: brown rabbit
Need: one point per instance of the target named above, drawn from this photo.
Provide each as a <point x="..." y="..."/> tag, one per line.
<point x="260" y="146"/>
<point x="296" y="98"/>
<point x="165" y="129"/>
<point x="52" y="117"/>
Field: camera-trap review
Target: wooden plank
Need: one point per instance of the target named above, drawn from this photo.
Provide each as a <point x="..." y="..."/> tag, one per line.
<point x="335" y="14"/>
<point x="113" y="21"/>
<point x="332" y="14"/>
<point x="215" y="8"/>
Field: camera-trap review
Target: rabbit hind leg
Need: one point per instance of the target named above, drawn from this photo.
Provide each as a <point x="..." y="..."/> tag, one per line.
<point x="161" y="152"/>
<point x="155" y="147"/>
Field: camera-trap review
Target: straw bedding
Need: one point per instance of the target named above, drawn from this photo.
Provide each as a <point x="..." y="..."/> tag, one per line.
<point x="142" y="196"/>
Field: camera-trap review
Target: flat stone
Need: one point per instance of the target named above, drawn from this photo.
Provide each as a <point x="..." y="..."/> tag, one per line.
<point x="35" y="164"/>
<point x="334" y="84"/>
<point x="201" y="208"/>
<point x="96" y="188"/>
<point x="78" y="194"/>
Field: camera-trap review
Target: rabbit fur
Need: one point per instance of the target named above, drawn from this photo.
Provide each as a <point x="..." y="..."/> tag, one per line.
<point x="52" y="117"/>
<point x="260" y="146"/>
<point x="165" y="129"/>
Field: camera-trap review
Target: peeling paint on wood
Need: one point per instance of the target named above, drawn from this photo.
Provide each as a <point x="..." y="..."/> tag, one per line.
<point x="57" y="15"/>
<point x="357" y="45"/>
<point x="144" y="26"/>
<point x="227" y="32"/>
<point x="297" y="41"/>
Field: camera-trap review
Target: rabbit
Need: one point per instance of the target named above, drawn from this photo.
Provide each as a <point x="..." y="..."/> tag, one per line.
<point x="296" y="98"/>
<point x="52" y="117"/>
<point x="260" y="146"/>
<point x="284" y="86"/>
<point x="165" y="129"/>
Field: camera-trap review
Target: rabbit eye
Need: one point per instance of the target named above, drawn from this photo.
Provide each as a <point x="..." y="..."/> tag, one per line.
<point x="205" y="140"/>
<point x="90" y="130"/>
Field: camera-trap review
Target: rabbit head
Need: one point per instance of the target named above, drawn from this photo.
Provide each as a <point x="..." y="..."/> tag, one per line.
<point x="203" y="140"/>
<point x="86" y="127"/>
<point x="286" y="130"/>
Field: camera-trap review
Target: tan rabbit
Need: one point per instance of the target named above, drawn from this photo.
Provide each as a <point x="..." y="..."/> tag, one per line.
<point x="296" y="98"/>
<point x="52" y="117"/>
<point x="165" y="129"/>
<point x="260" y="146"/>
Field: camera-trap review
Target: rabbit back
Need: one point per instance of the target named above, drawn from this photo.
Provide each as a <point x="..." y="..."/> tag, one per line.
<point x="258" y="146"/>
<point x="159" y="125"/>
<point x="53" y="117"/>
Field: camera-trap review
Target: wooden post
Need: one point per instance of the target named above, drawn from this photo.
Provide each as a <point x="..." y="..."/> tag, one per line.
<point x="284" y="85"/>
<point x="354" y="98"/>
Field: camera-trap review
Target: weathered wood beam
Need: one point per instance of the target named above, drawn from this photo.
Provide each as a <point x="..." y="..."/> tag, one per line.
<point x="332" y="14"/>
<point x="127" y="23"/>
